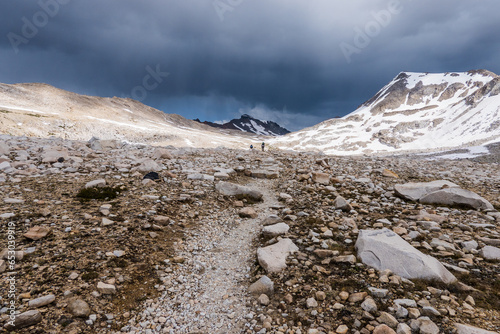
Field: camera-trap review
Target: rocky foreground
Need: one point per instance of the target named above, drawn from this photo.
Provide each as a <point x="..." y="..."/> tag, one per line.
<point x="228" y="241"/>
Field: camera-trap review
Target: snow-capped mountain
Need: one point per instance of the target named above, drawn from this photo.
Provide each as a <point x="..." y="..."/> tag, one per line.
<point x="247" y="123"/>
<point x="414" y="112"/>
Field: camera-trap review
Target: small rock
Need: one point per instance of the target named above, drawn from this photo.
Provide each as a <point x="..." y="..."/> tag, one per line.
<point x="311" y="303"/>
<point x="321" y="178"/>
<point x="73" y="276"/>
<point x="273" y="258"/>
<point x="369" y="305"/>
<point x="383" y="329"/>
<point x="96" y="183"/>
<point x="342" y="329"/>
<point x="389" y="173"/>
<point x="263" y="299"/>
<point x="247" y="212"/>
<point x="424" y="325"/>
<point x="162" y="153"/>
<point x="163" y="220"/>
<point x="344" y="295"/>
<point x="107" y="222"/>
<point x="106" y="289"/>
<point x="37" y="232"/>
<point x="468" y="329"/>
<point x="25" y="319"/>
<point x="430" y="311"/>
<point x="357" y="297"/>
<point x="341" y="204"/>
<point x="41" y="301"/>
<point x="379" y="293"/>
<point x="275" y="230"/>
<point x="263" y="286"/>
<point x="403" y="329"/>
<point x="79" y="308"/>
<point x="387" y="319"/>
<point x="320" y="295"/>
<point x="490" y="253"/>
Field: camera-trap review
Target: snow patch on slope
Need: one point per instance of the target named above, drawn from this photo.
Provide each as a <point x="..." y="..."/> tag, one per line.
<point x="415" y="111"/>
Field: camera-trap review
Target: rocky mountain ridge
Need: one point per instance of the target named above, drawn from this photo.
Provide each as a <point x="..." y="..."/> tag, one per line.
<point x="414" y="112"/>
<point x="250" y="124"/>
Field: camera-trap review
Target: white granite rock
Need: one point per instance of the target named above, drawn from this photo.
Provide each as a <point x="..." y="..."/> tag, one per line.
<point x="273" y="258"/>
<point x="384" y="249"/>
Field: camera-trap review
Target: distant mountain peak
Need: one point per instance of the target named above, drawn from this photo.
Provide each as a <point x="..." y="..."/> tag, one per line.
<point x="251" y="124"/>
<point x="414" y="111"/>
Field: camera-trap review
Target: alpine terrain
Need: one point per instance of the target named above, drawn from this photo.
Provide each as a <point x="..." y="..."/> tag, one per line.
<point x="166" y="225"/>
<point x="41" y="110"/>
<point x="250" y="124"/>
<point x="415" y="111"/>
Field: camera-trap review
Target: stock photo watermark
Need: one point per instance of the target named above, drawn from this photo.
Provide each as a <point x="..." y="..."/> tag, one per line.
<point x="223" y="6"/>
<point x="364" y="36"/>
<point x="11" y="279"/>
<point x="31" y="26"/>
<point x="150" y="82"/>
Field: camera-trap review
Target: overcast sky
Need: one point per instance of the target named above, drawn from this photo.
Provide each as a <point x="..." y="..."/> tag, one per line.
<point x="296" y="62"/>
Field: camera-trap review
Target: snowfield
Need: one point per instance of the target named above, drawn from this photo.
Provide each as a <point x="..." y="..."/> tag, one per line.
<point x="414" y="112"/>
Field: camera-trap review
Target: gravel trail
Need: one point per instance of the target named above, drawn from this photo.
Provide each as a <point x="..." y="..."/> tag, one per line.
<point x="208" y="292"/>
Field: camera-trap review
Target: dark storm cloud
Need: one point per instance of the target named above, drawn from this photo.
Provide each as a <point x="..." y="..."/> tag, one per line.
<point x="296" y="62"/>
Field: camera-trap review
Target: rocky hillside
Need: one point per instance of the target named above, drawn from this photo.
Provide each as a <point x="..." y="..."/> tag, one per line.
<point x="40" y="110"/>
<point x="120" y="238"/>
<point x="415" y="111"/>
<point x="250" y="124"/>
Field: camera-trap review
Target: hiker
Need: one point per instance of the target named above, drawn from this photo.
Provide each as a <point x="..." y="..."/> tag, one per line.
<point x="251" y="147"/>
<point x="263" y="145"/>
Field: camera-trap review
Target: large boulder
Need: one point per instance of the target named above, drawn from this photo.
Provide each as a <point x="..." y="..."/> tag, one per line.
<point x="457" y="196"/>
<point x="383" y="249"/>
<point x="265" y="174"/>
<point x="162" y="153"/>
<point x="232" y="189"/>
<point x="490" y="253"/>
<point x="4" y="148"/>
<point x="26" y="319"/>
<point x="415" y="191"/>
<point x="79" y="308"/>
<point x="273" y="258"/>
<point x="340" y="203"/>
<point x="103" y="144"/>
<point x="149" y="165"/>
<point x="467" y="329"/>
<point x="263" y="285"/>
<point x="54" y="155"/>
<point x="321" y="178"/>
<point x="275" y="230"/>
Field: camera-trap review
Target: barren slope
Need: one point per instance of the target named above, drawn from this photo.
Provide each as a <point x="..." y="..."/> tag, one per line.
<point x="40" y="110"/>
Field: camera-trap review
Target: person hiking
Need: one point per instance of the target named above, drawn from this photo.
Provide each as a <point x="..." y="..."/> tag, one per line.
<point x="263" y="145"/>
<point x="251" y="147"/>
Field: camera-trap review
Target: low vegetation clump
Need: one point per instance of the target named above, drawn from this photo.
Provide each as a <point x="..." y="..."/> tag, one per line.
<point x="99" y="193"/>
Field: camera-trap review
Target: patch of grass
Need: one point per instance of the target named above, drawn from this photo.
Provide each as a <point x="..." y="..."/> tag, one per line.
<point x="117" y="262"/>
<point x="35" y="115"/>
<point x="90" y="275"/>
<point x="488" y="286"/>
<point x="5" y="111"/>
<point x="487" y="295"/>
<point x="349" y="285"/>
<point x="249" y="199"/>
<point x="103" y="193"/>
